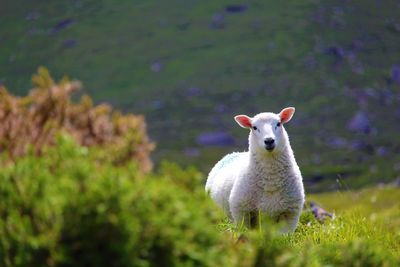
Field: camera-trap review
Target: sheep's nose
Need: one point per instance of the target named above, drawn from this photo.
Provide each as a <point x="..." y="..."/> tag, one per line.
<point x="269" y="141"/>
<point x="269" y="144"/>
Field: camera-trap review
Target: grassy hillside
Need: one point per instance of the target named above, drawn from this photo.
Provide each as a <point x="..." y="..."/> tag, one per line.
<point x="370" y="215"/>
<point x="190" y="66"/>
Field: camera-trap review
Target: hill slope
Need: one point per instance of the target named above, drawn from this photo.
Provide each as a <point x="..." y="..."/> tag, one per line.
<point x="189" y="66"/>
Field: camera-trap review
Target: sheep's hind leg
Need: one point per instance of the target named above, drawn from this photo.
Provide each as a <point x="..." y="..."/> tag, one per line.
<point x="254" y="217"/>
<point x="290" y="220"/>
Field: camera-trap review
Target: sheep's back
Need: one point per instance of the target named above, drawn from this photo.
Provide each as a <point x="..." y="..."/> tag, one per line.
<point x="222" y="176"/>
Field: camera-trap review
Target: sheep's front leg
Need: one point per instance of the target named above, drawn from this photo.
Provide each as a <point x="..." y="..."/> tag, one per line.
<point x="290" y="219"/>
<point x="238" y="204"/>
<point x="244" y="218"/>
<point x="241" y="213"/>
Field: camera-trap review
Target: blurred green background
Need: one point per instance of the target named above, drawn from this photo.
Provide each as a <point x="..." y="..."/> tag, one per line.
<point x="190" y="66"/>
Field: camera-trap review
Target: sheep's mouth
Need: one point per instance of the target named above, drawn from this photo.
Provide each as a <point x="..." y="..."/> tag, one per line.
<point x="269" y="147"/>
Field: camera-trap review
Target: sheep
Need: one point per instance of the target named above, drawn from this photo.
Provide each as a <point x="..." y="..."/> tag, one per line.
<point x="266" y="179"/>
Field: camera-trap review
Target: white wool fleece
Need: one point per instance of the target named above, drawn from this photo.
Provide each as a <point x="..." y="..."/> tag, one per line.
<point x="265" y="179"/>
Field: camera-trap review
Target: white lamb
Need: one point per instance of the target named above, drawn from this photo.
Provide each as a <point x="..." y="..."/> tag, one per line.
<point x="265" y="179"/>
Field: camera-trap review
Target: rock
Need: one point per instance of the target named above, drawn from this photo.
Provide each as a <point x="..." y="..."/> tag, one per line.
<point x="235" y="8"/>
<point x="61" y="25"/>
<point x="358" y="68"/>
<point x="193" y="91"/>
<point x="370" y="92"/>
<point x="360" y="123"/>
<point x="221" y="108"/>
<point x="70" y="43"/>
<point x="156" y="66"/>
<point x="396" y="182"/>
<point x="386" y="97"/>
<point x="357" y="145"/>
<point x="335" y="51"/>
<point x="157" y="104"/>
<point x="395" y="73"/>
<point x="337" y="19"/>
<point x="351" y="57"/>
<point x="392" y="25"/>
<point x="337" y="142"/>
<point x="360" y="145"/>
<point x="319" y="213"/>
<point x="381" y="151"/>
<point x="218" y="138"/>
<point x="217" y="21"/>
<point x="357" y="45"/>
<point x="316" y="178"/>
<point x="310" y="62"/>
<point x="319" y="15"/>
<point x="191" y="152"/>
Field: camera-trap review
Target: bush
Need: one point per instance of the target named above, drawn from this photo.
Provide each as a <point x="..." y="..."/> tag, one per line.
<point x="34" y="121"/>
<point x="65" y="209"/>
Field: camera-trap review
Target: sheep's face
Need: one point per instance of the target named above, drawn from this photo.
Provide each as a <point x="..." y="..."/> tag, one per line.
<point x="267" y="133"/>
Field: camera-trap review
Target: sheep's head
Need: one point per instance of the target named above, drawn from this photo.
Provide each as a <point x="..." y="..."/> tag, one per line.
<point x="266" y="129"/>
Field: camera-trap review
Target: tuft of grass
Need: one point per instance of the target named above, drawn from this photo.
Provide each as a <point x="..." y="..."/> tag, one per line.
<point x="359" y="235"/>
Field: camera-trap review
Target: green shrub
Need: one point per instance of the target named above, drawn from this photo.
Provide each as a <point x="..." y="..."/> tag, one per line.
<point x="66" y="209"/>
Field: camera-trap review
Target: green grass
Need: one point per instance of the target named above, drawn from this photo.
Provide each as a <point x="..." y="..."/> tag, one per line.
<point x="365" y="222"/>
<point x="371" y="214"/>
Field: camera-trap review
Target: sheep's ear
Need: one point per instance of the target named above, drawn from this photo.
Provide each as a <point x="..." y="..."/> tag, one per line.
<point x="243" y="120"/>
<point x="286" y="114"/>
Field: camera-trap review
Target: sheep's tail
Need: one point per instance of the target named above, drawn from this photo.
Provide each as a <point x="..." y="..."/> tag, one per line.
<point x="210" y="181"/>
<point x="225" y="161"/>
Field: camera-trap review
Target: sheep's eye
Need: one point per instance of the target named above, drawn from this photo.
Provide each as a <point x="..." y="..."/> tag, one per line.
<point x="254" y="128"/>
<point x="278" y="124"/>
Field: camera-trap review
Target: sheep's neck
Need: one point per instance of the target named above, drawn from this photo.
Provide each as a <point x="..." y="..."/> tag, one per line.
<point x="272" y="164"/>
